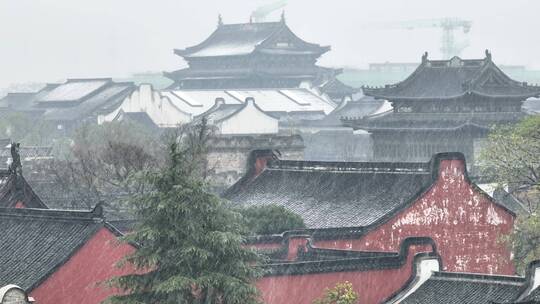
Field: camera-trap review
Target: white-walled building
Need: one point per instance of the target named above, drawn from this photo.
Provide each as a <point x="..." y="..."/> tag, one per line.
<point x="169" y="108"/>
<point x="236" y="119"/>
<point x="158" y="107"/>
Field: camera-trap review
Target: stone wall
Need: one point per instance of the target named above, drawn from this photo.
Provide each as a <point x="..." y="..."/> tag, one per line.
<point x="228" y="154"/>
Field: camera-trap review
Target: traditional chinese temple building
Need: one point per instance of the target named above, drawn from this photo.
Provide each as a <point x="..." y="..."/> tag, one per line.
<point x="15" y="192"/>
<point x="413" y="274"/>
<point x="444" y="105"/>
<point x="255" y="55"/>
<point x="68" y="104"/>
<point x="375" y="275"/>
<point x="375" y="206"/>
<point x="60" y="256"/>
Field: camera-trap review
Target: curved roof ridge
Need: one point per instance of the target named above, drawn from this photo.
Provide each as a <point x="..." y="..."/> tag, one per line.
<point x="411" y="77"/>
<point x="108" y="79"/>
<point x="492" y="65"/>
<point x="479" y="277"/>
<point x="11" y="193"/>
<point x="243" y="39"/>
<point x="431" y="61"/>
<point x="226" y="28"/>
<point x="452" y="79"/>
<point x="476" y="75"/>
<point x="285" y="27"/>
<point x="389" y="167"/>
<point x="351" y="260"/>
<point x="266" y="23"/>
<point x="249" y="101"/>
<point x="56" y="214"/>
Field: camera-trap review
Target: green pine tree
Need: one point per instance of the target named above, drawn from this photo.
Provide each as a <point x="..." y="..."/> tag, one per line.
<point x="190" y="244"/>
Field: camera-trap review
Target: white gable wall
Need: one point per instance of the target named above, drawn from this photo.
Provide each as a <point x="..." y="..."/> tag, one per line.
<point x="250" y="120"/>
<point x="169" y="108"/>
<point x="159" y="108"/>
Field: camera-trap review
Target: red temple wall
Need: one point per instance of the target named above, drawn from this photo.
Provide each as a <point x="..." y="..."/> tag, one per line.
<point x="464" y="223"/>
<point x="77" y="281"/>
<point x="372" y="286"/>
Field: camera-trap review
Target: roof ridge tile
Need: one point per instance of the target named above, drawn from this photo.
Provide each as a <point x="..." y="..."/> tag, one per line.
<point x="477" y="277"/>
<point x="95" y="215"/>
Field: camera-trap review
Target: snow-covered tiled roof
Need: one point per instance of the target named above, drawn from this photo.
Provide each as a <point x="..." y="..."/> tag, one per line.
<point x="197" y="102"/>
<point x="229" y="49"/>
<point x="235" y="39"/>
<point x="113" y="94"/>
<point x="245" y="38"/>
<point x="73" y="90"/>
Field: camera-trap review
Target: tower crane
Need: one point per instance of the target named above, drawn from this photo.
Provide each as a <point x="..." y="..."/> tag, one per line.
<point x="449" y="46"/>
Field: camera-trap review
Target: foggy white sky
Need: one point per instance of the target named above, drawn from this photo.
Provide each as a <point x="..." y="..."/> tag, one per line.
<point x="50" y="40"/>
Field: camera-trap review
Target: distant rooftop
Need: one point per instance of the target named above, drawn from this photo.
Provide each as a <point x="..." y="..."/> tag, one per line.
<point x="73" y="100"/>
<point x="245" y="38"/>
<point x="197" y="102"/>
<point x="454" y="78"/>
<point x="73" y="90"/>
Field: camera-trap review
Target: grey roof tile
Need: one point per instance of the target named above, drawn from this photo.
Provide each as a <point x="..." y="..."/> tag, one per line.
<point x="16" y="189"/>
<point x="533" y="297"/>
<point x="446" y="79"/>
<point x="35" y="242"/>
<point x="464" y="288"/>
<point x="113" y="93"/>
<point x="243" y="39"/>
<point x="339" y="194"/>
<point x="331" y="195"/>
<point x="356" y="109"/>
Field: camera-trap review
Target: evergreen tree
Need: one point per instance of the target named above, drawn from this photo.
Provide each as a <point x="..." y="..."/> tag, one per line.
<point x="511" y="158"/>
<point x="190" y="243"/>
<point x="270" y="219"/>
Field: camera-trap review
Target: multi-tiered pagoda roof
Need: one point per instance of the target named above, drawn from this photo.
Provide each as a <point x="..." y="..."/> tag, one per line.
<point x="455" y="78"/>
<point x="251" y="55"/>
<point x="450" y="94"/>
<point x="248" y="38"/>
<point x="444" y="105"/>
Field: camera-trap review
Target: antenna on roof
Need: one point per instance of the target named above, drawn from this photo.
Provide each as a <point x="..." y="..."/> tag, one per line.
<point x="220" y="20"/>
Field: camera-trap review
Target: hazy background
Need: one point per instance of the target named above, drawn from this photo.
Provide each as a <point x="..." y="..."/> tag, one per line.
<point x="50" y="40"/>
